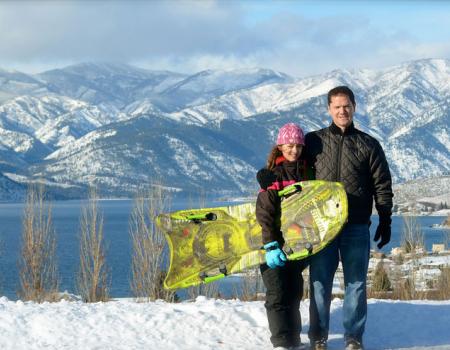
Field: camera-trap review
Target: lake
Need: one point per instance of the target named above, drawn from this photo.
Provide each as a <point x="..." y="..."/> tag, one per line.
<point x="66" y="217"/>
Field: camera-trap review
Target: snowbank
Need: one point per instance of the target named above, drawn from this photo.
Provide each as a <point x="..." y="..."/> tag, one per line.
<point x="205" y="324"/>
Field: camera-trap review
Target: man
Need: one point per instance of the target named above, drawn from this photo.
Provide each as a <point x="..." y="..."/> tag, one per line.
<point x="343" y="153"/>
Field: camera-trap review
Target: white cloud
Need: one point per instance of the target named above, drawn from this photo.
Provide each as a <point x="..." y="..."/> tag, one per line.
<point x="190" y="36"/>
<point x="112" y="29"/>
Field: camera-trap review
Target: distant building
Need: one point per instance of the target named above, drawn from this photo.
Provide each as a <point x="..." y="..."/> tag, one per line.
<point x="438" y="248"/>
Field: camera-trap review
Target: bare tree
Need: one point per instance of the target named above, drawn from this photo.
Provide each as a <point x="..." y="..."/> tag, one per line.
<point x="412" y="235"/>
<point x="37" y="262"/>
<point x="149" y="246"/>
<point x="209" y="290"/>
<point x="443" y="284"/>
<point x="93" y="276"/>
<point x="412" y="241"/>
<point x="250" y="285"/>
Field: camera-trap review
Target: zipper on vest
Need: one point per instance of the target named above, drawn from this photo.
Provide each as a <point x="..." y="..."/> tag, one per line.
<point x="341" y="143"/>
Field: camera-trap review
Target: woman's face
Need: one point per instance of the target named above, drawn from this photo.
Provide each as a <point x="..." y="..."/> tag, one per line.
<point x="291" y="151"/>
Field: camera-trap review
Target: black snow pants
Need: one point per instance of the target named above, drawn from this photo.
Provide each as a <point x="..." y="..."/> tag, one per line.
<point x="284" y="290"/>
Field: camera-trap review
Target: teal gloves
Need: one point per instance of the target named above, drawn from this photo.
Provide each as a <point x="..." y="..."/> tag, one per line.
<point x="275" y="257"/>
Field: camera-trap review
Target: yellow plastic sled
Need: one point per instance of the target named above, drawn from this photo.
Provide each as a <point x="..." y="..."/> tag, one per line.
<point x="208" y="244"/>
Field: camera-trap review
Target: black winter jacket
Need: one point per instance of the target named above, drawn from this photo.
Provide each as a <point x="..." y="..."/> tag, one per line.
<point x="358" y="161"/>
<point x="268" y="204"/>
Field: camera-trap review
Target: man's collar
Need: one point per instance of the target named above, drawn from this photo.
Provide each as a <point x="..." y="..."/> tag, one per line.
<point x="338" y="131"/>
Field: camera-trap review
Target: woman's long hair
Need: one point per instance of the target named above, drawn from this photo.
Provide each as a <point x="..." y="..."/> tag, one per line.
<point x="273" y="155"/>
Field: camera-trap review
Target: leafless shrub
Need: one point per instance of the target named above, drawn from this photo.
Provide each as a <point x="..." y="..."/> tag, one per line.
<point x="443" y="284"/>
<point x="407" y="287"/>
<point x="413" y="244"/>
<point x="380" y="280"/>
<point x="412" y="235"/>
<point x="398" y="259"/>
<point x="404" y="289"/>
<point x="250" y="285"/>
<point x="37" y="261"/>
<point x="209" y="290"/>
<point x="149" y="246"/>
<point x="93" y="276"/>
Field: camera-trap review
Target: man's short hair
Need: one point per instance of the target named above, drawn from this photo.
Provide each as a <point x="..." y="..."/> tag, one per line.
<point x="341" y="90"/>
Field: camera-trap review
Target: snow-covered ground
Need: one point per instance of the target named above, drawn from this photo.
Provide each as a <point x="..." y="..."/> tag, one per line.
<point x="205" y="324"/>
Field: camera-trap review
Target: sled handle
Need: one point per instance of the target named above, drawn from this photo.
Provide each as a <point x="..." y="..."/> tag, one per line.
<point x="223" y="272"/>
<point x="213" y="278"/>
<point x="301" y="254"/>
<point x="291" y="189"/>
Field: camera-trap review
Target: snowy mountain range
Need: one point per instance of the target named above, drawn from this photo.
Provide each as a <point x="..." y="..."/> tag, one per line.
<point x="121" y="127"/>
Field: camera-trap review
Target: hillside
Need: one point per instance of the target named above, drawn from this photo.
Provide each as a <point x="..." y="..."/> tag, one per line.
<point x="120" y="127"/>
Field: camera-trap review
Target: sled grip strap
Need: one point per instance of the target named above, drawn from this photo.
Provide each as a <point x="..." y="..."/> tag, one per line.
<point x="304" y="253"/>
<point x="291" y="189"/>
<point x="299" y="255"/>
<point x="213" y="278"/>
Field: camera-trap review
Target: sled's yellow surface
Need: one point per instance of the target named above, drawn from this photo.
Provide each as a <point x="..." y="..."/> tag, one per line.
<point x="207" y="244"/>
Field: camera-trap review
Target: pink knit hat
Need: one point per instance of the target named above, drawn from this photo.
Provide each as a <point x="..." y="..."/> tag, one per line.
<point x="290" y="133"/>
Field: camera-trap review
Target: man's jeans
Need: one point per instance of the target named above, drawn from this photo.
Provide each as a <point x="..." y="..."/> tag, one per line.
<point x="352" y="246"/>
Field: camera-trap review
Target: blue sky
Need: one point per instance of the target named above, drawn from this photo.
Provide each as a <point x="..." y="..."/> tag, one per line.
<point x="299" y="38"/>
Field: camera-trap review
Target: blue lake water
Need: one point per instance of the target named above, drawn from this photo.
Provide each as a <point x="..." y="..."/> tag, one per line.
<point x="66" y="216"/>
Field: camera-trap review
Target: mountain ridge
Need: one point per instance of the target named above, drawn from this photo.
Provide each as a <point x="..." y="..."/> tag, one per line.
<point x="76" y="130"/>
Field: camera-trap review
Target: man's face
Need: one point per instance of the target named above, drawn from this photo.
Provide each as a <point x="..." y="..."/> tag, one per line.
<point x="341" y="110"/>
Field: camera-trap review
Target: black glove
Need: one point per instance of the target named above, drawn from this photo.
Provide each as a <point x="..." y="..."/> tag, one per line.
<point x="383" y="231"/>
<point x="265" y="178"/>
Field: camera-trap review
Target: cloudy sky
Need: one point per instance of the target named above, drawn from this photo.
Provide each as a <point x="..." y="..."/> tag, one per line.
<point x="299" y="38"/>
